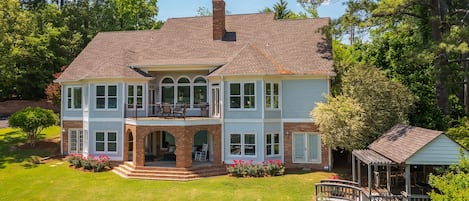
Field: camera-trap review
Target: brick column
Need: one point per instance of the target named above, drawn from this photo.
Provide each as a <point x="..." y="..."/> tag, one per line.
<point x="139" y="147"/>
<point x="184" y="148"/>
<point x="215" y="131"/>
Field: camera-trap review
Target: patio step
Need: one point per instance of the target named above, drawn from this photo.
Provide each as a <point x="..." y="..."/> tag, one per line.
<point x="128" y="170"/>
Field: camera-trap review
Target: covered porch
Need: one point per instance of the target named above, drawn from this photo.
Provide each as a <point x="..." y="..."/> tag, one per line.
<point x="174" y="142"/>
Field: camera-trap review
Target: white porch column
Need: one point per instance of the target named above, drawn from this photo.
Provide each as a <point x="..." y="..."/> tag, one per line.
<point x="370" y="177"/>
<point x="407" y="179"/>
<point x="359" y="173"/>
<point x="354" y="176"/>
<point x="388" y="177"/>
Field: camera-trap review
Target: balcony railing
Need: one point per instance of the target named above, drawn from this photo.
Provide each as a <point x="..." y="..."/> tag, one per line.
<point x="169" y="110"/>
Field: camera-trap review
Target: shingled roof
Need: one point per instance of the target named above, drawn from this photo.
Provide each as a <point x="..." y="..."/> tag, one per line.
<point x="403" y="141"/>
<point x="263" y="46"/>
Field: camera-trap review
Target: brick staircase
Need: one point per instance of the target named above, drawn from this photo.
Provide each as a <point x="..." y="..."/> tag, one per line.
<point x="128" y="170"/>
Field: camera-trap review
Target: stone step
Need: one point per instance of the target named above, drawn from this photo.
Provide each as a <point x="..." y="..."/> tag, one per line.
<point x="127" y="170"/>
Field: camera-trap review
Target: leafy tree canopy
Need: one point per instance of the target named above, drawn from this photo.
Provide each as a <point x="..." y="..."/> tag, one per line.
<point x="32" y="121"/>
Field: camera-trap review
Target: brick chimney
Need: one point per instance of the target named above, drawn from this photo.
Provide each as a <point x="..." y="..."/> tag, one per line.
<point x="218" y="19"/>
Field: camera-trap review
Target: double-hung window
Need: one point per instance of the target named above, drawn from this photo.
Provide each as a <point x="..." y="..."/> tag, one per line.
<point x="243" y="95"/>
<point x="243" y="144"/>
<point x="271" y="95"/>
<point x="272" y="144"/>
<point x="75" y="140"/>
<point x="74" y="97"/>
<point x="106" y="141"/>
<point x="134" y="96"/>
<point x="106" y="97"/>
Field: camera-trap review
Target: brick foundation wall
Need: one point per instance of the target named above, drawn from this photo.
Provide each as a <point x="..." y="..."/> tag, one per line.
<point x="65" y="126"/>
<point x="184" y="136"/>
<point x="11" y="106"/>
<point x="290" y="128"/>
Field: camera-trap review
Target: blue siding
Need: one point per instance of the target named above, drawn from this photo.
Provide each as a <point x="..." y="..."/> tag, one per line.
<point x="272" y="114"/>
<point x="107" y="113"/>
<point x="240" y="113"/>
<point x="244" y="127"/>
<point x="95" y="126"/>
<point x="441" y="151"/>
<point x="299" y="97"/>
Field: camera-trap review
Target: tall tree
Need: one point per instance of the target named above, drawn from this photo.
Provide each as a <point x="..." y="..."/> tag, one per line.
<point x="369" y="104"/>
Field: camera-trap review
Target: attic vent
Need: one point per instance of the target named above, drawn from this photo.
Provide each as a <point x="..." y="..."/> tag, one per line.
<point x="229" y="36"/>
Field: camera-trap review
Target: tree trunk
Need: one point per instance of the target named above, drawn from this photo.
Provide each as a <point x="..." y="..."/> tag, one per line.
<point x="438" y="13"/>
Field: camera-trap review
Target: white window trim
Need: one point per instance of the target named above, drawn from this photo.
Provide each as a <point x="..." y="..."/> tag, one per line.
<point x="241" y="91"/>
<point x="271" y="83"/>
<point x="319" y="146"/>
<point x="135" y="97"/>
<point x="78" y="130"/>
<point x="242" y="144"/>
<point x="191" y="85"/>
<point x="73" y="98"/>
<point x="106" y="141"/>
<point x="272" y="144"/>
<point x="106" y="97"/>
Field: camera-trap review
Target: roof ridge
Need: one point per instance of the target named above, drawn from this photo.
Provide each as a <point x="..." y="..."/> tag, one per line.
<point x="281" y="69"/>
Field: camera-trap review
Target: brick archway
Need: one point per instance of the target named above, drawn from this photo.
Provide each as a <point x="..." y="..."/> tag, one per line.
<point x="183" y="135"/>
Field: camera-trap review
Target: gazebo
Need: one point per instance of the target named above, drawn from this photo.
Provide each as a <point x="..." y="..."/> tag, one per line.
<point x="405" y="152"/>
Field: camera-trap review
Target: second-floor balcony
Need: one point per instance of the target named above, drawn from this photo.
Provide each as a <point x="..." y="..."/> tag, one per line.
<point x="180" y="110"/>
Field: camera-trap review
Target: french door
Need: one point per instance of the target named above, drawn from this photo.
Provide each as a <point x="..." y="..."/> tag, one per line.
<point x="306" y="148"/>
<point x="75" y="137"/>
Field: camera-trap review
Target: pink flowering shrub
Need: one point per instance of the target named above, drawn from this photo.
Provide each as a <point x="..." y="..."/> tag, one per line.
<point x="241" y="168"/>
<point x="95" y="163"/>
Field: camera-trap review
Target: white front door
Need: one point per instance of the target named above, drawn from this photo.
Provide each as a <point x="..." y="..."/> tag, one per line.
<point x="306" y="148"/>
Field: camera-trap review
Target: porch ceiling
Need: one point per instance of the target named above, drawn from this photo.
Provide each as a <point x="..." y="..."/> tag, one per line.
<point x="370" y="157"/>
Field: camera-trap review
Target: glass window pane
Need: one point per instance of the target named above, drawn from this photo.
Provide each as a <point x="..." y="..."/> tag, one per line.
<point x="267" y="89"/>
<point x="99" y="146"/>
<point x="69" y="92"/>
<point x="268" y="149"/>
<point x="168" y="94"/>
<point x="250" y="150"/>
<point x="183" y="80"/>
<point x="249" y="102"/>
<point x="200" y="94"/>
<point x="130" y="90"/>
<point x="267" y="102"/>
<point x="249" y="139"/>
<point x="130" y="103"/>
<point x="235" y="149"/>
<point x="249" y="89"/>
<point x="276" y="138"/>
<point x="200" y="80"/>
<point x="168" y="80"/>
<point x="139" y="90"/>
<point x="77" y="98"/>
<point x="235" y="138"/>
<point x="69" y="103"/>
<point x="139" y="102"/>
<point x="313" y="141"/>
<point x="112" y="103"/>
<point x="112" y="90"/>
<point x="100" y="91"/>
<point x="112" y="136"/>
<point x="100" y="103"/>
<point x="276" y="149"/>
<point x="184" y="93"/>
<point x="235" y="102"/>
<point x="299" y="148"/>
<point x="112" y="147"/>
<point x="268" y="139"/>
<point x="99" y="136"/>
<point x="275" y="101"/>
<point x="235" y="89"/>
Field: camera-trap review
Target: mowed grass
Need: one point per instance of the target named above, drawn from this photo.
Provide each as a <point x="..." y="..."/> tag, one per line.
<point x="55" y="180"/>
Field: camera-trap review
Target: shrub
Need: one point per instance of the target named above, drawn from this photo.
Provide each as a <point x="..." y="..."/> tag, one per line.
<point x="32" y="121"/>
<point x="241" y="168"/>
<point x="95" y="163"/>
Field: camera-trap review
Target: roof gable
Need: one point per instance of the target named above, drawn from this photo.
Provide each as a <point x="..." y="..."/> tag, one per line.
<point x="440" y="151"/>
<point x="403" y="141"/>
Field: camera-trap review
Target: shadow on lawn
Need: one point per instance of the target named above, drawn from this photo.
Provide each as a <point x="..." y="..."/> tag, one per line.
<point x="14" y="150"/>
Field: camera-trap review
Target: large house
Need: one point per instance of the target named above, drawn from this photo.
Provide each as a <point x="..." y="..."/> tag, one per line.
<point x="242" y="85"/>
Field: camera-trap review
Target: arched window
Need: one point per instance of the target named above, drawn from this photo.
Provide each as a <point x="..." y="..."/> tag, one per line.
<point x="200" y="91"/>
<point x="184" y="91"/>
<point x="167" y="90"/>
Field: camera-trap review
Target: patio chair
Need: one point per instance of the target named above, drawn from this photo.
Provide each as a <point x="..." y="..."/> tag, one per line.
<point x="201" y="155"/>
<point x="166" y="109"/>
<point x="180" y="110"/>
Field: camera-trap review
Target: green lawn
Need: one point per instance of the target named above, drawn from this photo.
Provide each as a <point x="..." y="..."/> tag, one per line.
<point x="21" y="180"/>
